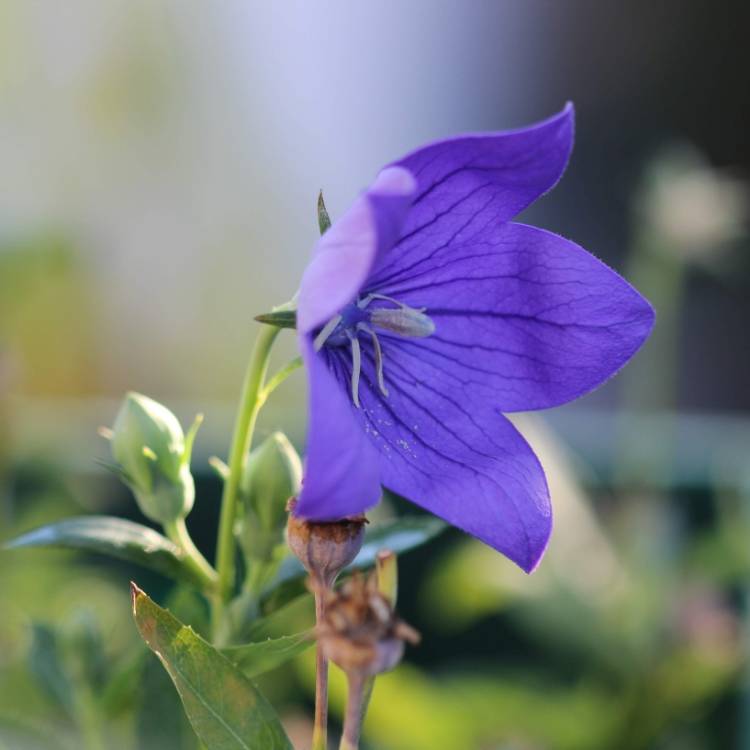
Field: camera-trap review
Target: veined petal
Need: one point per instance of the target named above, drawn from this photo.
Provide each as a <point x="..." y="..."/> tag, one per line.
<point x="341" y="475"/>
<point x="524" y="319"/>
<point x="469" y="466"/>
<point x="345" y="254"/>
<point x="492" y="175"/>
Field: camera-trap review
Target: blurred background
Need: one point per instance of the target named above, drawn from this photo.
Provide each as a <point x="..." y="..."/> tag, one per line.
<point x="160" y="167"/>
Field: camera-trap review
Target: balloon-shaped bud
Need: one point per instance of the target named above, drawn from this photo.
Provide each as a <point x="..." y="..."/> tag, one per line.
<point x="272" y="475"/>
<point x="153" y="455"/>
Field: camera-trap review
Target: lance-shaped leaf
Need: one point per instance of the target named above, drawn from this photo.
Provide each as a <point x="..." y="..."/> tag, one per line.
<point x="225" y="709"/>
<point x="256" y="658"/>
<point x="116" y="537"/>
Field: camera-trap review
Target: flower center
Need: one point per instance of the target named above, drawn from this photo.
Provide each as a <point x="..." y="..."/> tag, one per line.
<point x="344" y="329"/>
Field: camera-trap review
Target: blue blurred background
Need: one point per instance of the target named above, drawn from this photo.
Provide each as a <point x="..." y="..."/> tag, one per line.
<point x="160" y="166"/>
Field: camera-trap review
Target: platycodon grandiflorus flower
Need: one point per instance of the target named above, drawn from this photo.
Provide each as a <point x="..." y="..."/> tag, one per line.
<point x="426" y="312"/>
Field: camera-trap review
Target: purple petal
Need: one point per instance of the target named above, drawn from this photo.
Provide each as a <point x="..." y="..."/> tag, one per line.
<point x="494" y="175"/>
<point x="345" y="254"/>
<point x="469" y="466"/>
<point x="341" y="466"/>
<point x="524" y="319"/>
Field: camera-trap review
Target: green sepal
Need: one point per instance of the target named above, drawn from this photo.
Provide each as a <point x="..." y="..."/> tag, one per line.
<point x="324" y="220"/>
<point x="279" y="318"/>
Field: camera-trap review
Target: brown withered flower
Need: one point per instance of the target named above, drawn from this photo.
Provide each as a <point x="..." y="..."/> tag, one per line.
<point x="359" y="630"/>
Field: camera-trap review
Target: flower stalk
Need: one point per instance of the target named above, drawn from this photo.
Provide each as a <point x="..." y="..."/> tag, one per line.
<point x="360" y="632"/>
<point x="355" y="704"/>
<point x="278" y="378"/>
<point x="320" y="726"/>
<point x="324" y="549"/>
<point x="241" y="440"/>
<point x="177" y="531"/>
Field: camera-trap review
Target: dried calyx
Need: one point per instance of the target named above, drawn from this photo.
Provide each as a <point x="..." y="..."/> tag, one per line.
<point x="359" y="630"/>
<point x="324" y="548"/>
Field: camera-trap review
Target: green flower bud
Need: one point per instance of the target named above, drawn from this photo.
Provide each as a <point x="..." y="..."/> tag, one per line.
<point x="272" y="475"/>
<point x="154" y="456"/>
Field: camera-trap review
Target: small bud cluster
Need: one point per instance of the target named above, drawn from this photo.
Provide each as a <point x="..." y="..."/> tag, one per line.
<point x="359" y="630"/>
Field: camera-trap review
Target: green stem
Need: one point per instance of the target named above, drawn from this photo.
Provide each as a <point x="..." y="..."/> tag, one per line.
<point x="243" y="433"/>
<point x="87" y="718"/>
<point x="279" y="377"/>
<point x="201" y="568"/>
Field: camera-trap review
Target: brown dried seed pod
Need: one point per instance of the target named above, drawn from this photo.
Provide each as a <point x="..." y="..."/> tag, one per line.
<point x="324" y="548"/>
<point x="359" y="630"/>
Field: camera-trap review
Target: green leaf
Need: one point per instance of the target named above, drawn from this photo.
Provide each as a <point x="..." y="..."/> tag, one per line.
<point x="115" y="537"/>
<point x="248" y="626"/>
<point x="398" y="535"/>
<point x="256" y="658"/>
<point x="297" y="614"/>
<point x="225" y="709"/>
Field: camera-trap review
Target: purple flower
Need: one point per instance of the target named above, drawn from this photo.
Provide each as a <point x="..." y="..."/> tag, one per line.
<point x="426" y="312"/>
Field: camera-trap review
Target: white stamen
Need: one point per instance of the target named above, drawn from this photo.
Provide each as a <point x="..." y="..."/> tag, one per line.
<point x="365" y="301"/>
<point x="356" y="368"/>
<point x="378" y="356"/>
<point x="327" y="330"/>
<point x="401" y="320"/>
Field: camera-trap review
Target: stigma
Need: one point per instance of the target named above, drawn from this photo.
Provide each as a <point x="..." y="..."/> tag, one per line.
<point x="358" y="319"/>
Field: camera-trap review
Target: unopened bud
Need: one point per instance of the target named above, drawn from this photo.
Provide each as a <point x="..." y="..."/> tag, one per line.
<point x="154" y="457"/>
<point x="273" y="474"/>
<point x="325" y="548"/>
<point x="359" y="630"/>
